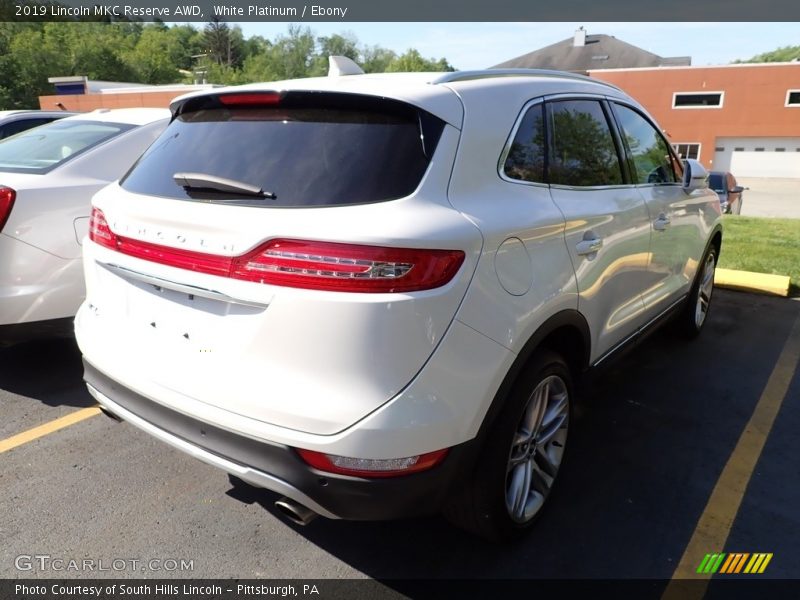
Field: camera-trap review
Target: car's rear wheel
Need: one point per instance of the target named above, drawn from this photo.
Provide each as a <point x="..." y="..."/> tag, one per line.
<point x="698" y="305"/>
<point x="522" y="455"/>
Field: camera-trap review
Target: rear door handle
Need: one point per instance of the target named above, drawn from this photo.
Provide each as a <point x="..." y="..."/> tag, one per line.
<point x="585" y="247"/>
<point x="662" y="222"/>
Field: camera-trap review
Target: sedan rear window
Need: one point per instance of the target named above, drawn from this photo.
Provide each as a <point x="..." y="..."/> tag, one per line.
<point x="42" y="149"/>
<point x="306" y="150"/>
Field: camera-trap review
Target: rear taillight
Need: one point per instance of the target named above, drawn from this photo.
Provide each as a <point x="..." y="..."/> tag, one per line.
<point x="99" y="232"/>
<point x="303" y="264"/>
<point x="371" y="467"/>
<point x="7" y="197"/>
<point x="347" y="267"/>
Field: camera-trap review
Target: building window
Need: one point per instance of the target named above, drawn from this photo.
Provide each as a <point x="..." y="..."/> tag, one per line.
<point x="793" y="98"/>
<point x="738" y="149"/>
<point x="780" y="149"/>
<point x="759" y="149"/>
<point x="688" y="150"/>
<point x="697" y="99"/>
<point x="719" y="149"/>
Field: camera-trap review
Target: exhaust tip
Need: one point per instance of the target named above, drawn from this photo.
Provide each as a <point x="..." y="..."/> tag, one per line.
<point x="295" y="512"/>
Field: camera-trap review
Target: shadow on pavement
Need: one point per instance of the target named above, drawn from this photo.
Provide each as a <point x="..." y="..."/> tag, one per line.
<point x="47" y="370"/>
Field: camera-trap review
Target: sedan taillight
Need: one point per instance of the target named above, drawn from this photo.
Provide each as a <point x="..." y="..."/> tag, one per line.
<point x="301" y="263"/>
<point x="7" y="197"/>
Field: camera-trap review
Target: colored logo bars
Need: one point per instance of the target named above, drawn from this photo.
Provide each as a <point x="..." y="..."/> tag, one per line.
<point x="736" y="562"/>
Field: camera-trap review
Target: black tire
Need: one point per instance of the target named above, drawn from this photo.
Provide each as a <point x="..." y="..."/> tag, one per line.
<point x="485" y="506"/>
<point x="690" y="322"/>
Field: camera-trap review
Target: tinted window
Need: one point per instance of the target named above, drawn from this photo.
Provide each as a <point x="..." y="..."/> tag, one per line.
<point x="306" y="155"/>
<point x="716" y="182"/>
<point x="44" y="148"/>
<point x="582" y="149"/>
<point x="15" y="127"/>
<point x="525" y="158"/>
<point x="652" y="161"/>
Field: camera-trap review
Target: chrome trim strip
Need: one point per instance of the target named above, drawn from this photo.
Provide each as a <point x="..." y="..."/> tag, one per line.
<point x="186" y="288"/>
<point x="640" y="331"/>
<point x="252" y="476"/>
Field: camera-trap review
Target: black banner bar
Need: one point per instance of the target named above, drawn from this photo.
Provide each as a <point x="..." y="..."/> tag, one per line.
<point x="299" y="11"/>
<point x="733" y="588"/>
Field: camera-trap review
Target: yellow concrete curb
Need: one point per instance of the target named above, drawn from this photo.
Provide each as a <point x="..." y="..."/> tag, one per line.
<point x="777" y="285"/>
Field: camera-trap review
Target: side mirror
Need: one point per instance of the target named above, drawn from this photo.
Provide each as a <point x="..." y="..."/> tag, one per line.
<point x="695" y="176"/>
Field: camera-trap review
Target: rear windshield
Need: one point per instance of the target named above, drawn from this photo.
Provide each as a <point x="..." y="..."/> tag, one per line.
<point x="44" y="148"/>
<point x="309" y="150"/>
<point x="716" y="181"/>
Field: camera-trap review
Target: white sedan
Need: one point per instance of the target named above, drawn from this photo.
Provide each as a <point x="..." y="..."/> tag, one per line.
<point x="48" y="176"/>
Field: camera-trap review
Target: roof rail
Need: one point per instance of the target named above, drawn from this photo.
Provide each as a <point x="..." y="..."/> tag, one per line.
<point x="491" y="73"/>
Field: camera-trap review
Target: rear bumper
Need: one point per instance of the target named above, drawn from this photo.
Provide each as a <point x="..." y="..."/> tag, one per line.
<point x="277" y="467"/>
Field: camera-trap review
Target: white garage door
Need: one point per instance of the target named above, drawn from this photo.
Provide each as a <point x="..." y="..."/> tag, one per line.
<point x="758" y="157"/>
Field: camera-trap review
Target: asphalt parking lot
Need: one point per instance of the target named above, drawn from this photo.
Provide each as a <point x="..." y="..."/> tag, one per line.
<point x="648" y="449"/>
<point x="771" y="197"/>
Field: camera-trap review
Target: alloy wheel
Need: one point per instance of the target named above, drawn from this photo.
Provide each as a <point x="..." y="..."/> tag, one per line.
<point x="537" y="449"/>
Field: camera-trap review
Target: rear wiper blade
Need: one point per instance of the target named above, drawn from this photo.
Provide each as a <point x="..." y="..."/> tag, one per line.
<point x="204" y="181"/>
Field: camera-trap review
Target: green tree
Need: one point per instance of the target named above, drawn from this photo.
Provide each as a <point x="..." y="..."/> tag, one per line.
<point x="375" y="59"/>
<point x="335" y="45"/>
<point x="189" y="42"/>
<point x="783" y="54"/>
<point x="413" y="61"/>
<point x="223" y="43"/>
<point x="156" y="56"/>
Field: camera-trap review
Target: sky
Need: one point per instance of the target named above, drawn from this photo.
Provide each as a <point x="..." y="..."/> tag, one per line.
<point x="481" y="45"/>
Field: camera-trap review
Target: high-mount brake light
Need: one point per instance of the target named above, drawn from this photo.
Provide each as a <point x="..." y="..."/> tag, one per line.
<point x="305" y="264"/>
<point x="7" y="197"/>
<point x="371" y="467"/>
<point x="250" y="99"/>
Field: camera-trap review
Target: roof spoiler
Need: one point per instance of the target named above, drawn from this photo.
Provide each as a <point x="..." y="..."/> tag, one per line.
<point x="341" y="65"/>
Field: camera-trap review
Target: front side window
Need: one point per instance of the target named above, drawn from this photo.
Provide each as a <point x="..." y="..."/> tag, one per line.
<point x="44" y="148"/>
<point x="525" y="159"/>
<point x="582" y="149"/>
<point x="649" y="152"/>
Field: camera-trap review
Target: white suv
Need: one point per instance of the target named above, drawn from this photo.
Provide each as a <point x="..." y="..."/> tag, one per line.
<point x="372" y="294"/>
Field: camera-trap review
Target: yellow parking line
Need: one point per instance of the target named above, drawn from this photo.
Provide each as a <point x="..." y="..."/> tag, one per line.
<point x="42" y="430"/>
<point x="714" y="526"/>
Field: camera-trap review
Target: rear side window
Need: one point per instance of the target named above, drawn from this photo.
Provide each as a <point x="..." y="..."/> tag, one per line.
<point x="526" y="156"/>
<point x="306" y="150"/>
<point x="650" y="153"/>
<point x="582" y="152"/>
<point x="44" y="148"/>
